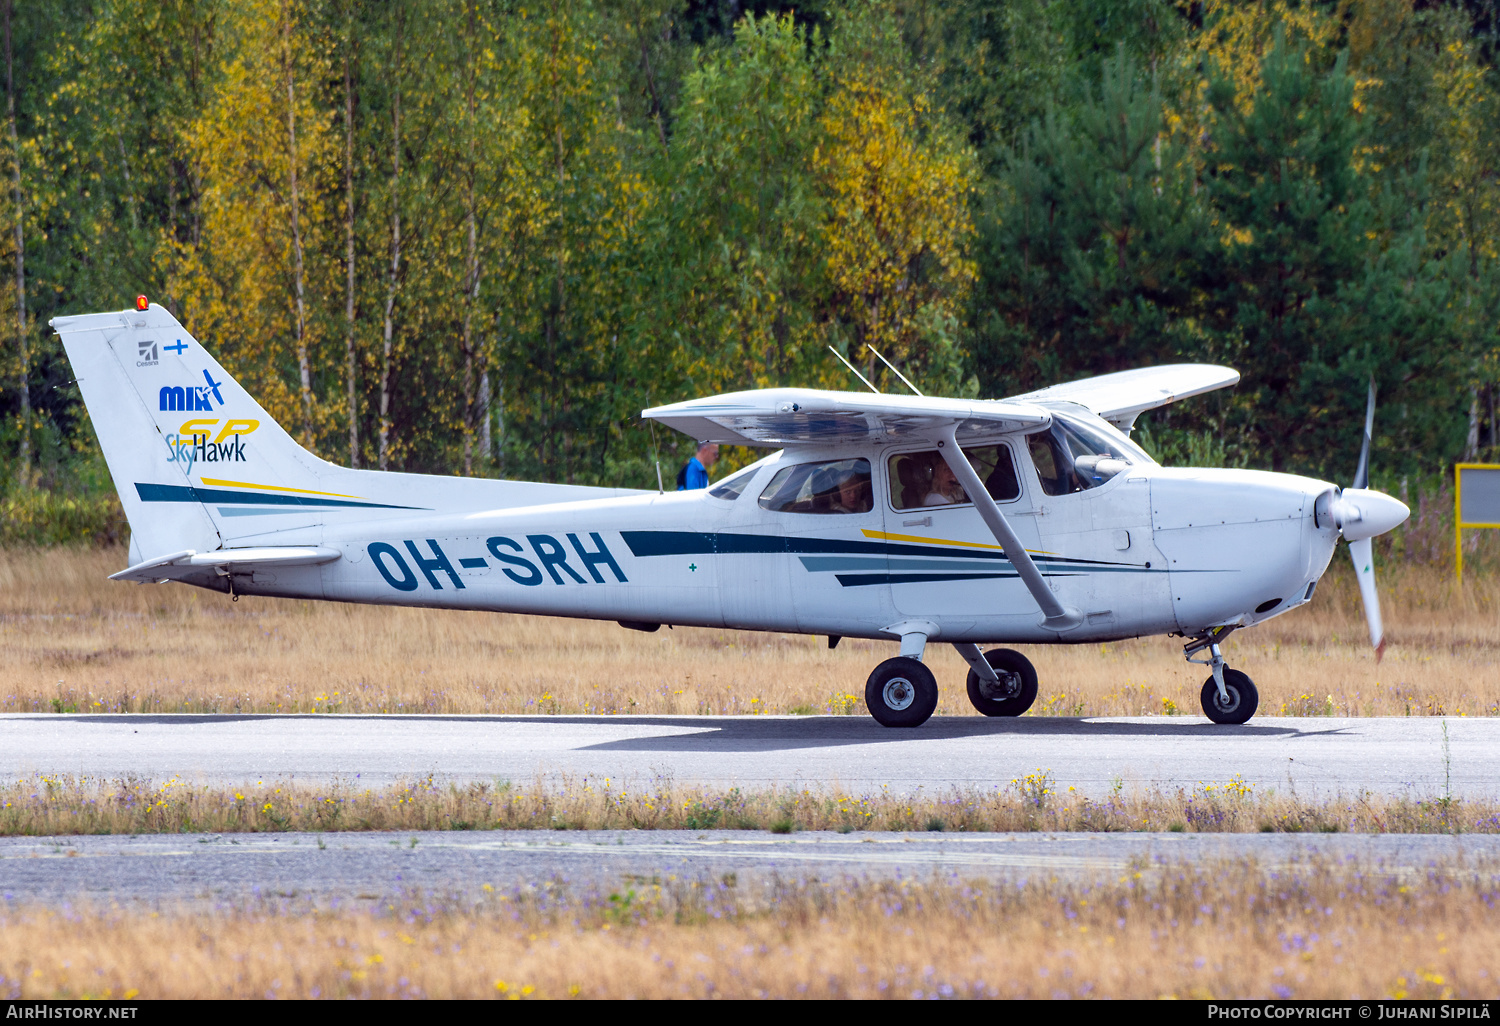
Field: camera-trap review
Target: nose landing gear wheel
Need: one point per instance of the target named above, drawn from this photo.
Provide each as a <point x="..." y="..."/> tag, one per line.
<point x="1014" y="693"/>
<point x="1243" y="698"/>
<point x="901" y="693"/>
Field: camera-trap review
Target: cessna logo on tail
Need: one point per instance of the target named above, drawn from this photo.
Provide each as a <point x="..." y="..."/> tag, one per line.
<point x="146" y="354"/>
<point x="191" y="398"/>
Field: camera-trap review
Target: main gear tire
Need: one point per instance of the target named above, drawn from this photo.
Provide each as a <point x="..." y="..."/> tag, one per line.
<point x="1243" y="698"/>
<point x="901" y="692"/>
<point x="1013" y="694"/>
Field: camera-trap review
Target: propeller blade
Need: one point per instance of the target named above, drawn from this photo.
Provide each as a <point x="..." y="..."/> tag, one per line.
<point x="1363" y="554"/>
<point x="1362" y="475"/>
<point x="1362" y="515"/>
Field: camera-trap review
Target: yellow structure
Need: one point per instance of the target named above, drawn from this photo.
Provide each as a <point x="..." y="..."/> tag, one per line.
<point x="1476" y="503"/>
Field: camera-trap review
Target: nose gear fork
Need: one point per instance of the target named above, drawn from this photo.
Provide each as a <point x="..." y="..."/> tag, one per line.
<point x="1217" y="668"/>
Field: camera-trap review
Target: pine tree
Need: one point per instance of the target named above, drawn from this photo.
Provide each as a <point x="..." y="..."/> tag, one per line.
<point x="1320" y="286"/>
<point x="1091" y="247"/>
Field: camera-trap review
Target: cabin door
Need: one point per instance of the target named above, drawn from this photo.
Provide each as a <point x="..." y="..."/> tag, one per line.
<point x="942" y="558"/>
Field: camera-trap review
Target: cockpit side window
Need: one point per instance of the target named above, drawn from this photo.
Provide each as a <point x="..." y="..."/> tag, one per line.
<point x="1071" y="457"/>
<point x="835" y="486"/>
<point x="921" y="479"/>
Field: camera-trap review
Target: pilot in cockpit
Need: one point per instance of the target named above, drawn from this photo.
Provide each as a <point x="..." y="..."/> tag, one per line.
<point x="945" y="489"/>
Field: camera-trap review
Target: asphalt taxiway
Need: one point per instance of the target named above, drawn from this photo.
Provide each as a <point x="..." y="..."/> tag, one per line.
<point x="462" y="867"/>
<point x="1385" y="755"/>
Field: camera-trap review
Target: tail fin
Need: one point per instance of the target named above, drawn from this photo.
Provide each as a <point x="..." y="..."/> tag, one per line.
<point x="188" y="448"/>
<point x="200" y="465"/>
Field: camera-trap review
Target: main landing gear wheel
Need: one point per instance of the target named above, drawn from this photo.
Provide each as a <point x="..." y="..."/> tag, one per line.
<point x="1015" y="691"/>
<point x="901" y="693"/>
<point x="1243" y="698"/>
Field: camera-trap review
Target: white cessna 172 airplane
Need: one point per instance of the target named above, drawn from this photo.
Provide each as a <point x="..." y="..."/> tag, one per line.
<point x="1029" y="520"/>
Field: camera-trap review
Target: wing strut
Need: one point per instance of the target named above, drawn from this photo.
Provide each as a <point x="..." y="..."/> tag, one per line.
<point x="1059" y="617"/>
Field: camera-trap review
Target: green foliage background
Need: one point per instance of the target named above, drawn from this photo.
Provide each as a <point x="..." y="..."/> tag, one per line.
<point x="478" y="236"/>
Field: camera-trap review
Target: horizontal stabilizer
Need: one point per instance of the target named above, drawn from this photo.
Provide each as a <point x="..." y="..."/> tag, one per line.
<point x="181" y="564"/>
<point x="1123" y="396"/>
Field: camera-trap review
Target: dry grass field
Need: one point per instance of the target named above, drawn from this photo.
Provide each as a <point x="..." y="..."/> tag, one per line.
<point x="43" y="805"/>
<point x="73" y="641"/>
<point x="1311" y="929"/>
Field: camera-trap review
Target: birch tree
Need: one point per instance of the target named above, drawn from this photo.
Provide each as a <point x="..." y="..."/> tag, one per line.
<point x="897" y="188"/>
<point x="264" y="148"/>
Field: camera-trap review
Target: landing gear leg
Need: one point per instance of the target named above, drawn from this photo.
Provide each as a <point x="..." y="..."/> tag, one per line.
<point x="1228" y="696"/>
<point x="901" y="692"/>
<point x="1002" y="682"/>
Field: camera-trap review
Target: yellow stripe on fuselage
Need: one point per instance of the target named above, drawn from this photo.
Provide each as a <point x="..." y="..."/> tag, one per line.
<point x="887" y="536"/>
<point x="273" y="488"/>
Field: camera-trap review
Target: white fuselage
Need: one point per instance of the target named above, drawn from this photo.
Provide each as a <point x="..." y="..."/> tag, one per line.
<point x="1151" y="551"/>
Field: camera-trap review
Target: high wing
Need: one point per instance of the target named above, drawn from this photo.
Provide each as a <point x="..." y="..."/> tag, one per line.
<point x="1123" y="396"/>
<point x="773" y="417"/>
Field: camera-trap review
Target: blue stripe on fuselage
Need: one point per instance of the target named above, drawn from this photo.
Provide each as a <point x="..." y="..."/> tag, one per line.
<point x="190" y="493"/>
<point x="702" y="543"/>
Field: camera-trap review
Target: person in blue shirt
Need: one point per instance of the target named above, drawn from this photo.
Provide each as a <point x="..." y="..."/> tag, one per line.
<point x="694" y="473"/>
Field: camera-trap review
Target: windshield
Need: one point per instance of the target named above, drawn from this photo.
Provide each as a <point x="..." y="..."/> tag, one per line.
<point x="1073" y="456"/>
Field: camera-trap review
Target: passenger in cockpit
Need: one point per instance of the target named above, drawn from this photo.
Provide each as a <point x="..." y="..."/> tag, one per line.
<point x="854" y="494"/>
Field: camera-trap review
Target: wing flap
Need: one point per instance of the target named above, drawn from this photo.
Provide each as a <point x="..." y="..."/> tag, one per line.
<point x="181" y="564"/>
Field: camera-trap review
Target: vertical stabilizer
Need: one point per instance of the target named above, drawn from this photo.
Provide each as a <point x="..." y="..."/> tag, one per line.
<point x="200" y="465"/>
<point x="191" y="453"/>
<point x="126" y="372"/>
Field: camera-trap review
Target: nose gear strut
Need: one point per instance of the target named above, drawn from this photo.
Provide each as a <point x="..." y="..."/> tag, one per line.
<point x="1210" y="639"/>
<point x="1229" y="696"/>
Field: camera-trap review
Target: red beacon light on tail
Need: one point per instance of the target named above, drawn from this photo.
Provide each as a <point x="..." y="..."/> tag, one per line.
<point x="141" y="303"/>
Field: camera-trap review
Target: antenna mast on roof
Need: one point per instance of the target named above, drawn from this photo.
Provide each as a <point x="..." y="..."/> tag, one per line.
<point x="856" y="373"/>
<point x="894" y="371"/>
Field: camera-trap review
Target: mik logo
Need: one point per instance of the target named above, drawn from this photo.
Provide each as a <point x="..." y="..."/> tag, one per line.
<point x="191" y="398"/>
<point x="549" y="552"/>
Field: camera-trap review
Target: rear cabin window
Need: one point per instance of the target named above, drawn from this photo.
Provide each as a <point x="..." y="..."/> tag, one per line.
<point x="836" y="486"/>
<point x="920" y="479"/>
<point x="733" y="485"/>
